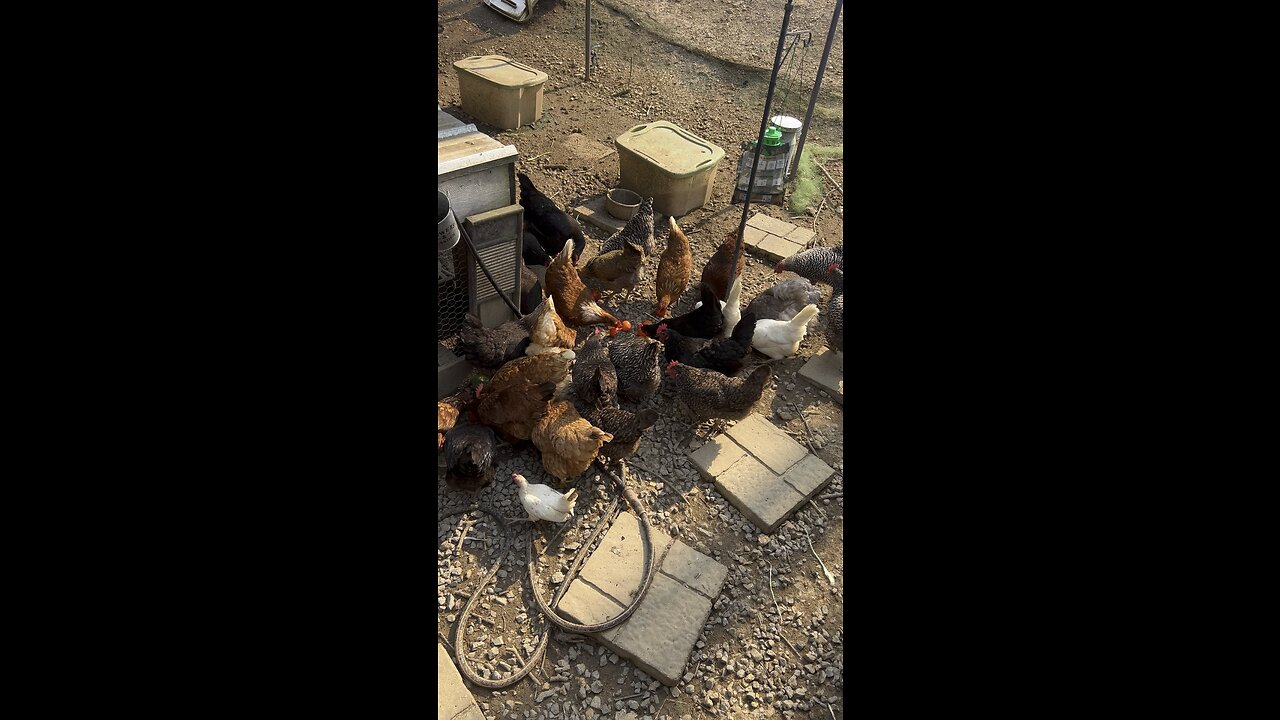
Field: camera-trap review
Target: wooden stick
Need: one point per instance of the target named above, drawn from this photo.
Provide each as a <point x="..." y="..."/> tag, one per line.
<point x="833" y="180"/>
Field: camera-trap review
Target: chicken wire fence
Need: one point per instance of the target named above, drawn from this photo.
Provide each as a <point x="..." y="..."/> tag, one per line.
<point x="452" y="292"/>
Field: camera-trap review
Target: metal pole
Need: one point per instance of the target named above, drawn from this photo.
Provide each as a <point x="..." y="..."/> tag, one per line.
<point x="817" y="85"/>
<point x="764" y="124"/>
<point x="587" y="75"/>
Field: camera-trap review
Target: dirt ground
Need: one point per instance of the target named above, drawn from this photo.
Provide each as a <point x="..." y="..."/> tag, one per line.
<point x="703" y="66"/>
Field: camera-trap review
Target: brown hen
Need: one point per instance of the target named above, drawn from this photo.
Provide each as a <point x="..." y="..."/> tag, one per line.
<point x="719" y="271"/>
<point x="675" y="268"/>
<point x="573" y="302"/>
<point x="568" y="443"/>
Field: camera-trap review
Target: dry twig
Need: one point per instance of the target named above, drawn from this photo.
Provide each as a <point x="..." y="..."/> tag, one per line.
<point x="830" y="578"/>
<point x="833" y="180"/>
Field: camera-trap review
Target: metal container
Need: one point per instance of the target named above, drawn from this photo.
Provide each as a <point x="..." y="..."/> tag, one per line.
<point x="790" y="127"/>
<point x="622" y="204"/>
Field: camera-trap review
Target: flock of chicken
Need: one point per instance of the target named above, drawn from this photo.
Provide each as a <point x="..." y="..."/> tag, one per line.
<point x="567" y="399"/>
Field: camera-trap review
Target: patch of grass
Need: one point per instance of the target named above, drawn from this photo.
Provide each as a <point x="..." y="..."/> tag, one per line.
<point x="809" y="187"/>
<point x="827" y="112"/>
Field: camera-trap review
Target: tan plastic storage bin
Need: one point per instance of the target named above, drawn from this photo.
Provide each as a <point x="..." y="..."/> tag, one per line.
<point x="499" y="91"/>
<point x="668" y="163"/>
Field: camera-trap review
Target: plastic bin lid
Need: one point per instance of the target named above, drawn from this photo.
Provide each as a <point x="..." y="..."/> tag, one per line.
<point x="676" y="150"/>
<point x="501" y="71"/>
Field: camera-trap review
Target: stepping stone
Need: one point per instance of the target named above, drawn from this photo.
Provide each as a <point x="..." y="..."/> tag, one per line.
<point x="762" y="471"/>
<point x="771" y="225"/>
<point x="594" y="212"/>
<point x="751" y="236"/>
<point x="659" y="637"/>
<point x="774" y="248"/>
<point x="825" y="372"/>
<point x="800" y="235"/>
<point x="453" y="702"/>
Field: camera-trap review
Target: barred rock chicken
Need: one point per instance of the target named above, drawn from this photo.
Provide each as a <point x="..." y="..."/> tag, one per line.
<point x="678" y="347"/>
<point x="575" y="305"/>
<point x="617" y="269"/>
<point x="547" y="333"/>
<point x="491" y="347"/>
<point x="594" y="377"/>
<point x="675" y="268"/>
<point x="550" y="225"/>
<point x="704" y="321"/>
<point x="626" y="428"/>
<point x="784" y="300"/>
<point x="720" y="270"/>
<point x="709" y="394"/>
<point x="812" y="264"/>
<point x="567" y="441"/>
<point x="725" y="355"/>
<point x="639" y="230"/>
<point x="636" y="362"/>
<point x="468" y="453"/>
<point x="544" y="503"/>
<point x="835" y="310"/>
<point x="781" y="338"/>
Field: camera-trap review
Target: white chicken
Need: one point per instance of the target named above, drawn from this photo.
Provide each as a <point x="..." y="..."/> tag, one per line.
<point x="781" y="338"/>
<point x="732" y="308"/>
<point x="544" y="503"/>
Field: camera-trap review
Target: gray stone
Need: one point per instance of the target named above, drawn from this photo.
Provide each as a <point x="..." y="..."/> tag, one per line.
<point x="826" y="372"/>
<point x="758" y="493"/>
<point x="588" y="606"/>
<point x="752" y="236"/>
<point x="809" y="475"/>
<point x="661" y="634"/>
<point x="771" y="225"/>
<point x="776" y="449"/>
<point x="453" y="701"/>
<point x="695" y="570"/>
<point x="616" y="568"/>
<point x="800" y="235"/>
<point x="775" y="248"/>
<point x="716" y="456"/>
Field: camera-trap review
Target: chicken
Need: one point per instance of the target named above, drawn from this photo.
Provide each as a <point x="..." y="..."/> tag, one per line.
<point x="568" y="442"/>
<point x="593" y="375"/>
<point x="703" y="321"/>
<point x="725" y="355"/>
<point x="675" y="268"/>
<point x="709" y="394"/>
<point x="544" y="503"/>
<point x="547" y="333"/>
<point x="812" y="264"/>
<point x="514" y="407"/>
<point x="550" y="366"/>
<point x="446" y="417"/>
<point x="532" y="252"/>
<point x="781" y="338"/>
<point x="835" y="310"/>
<point x="639" y="230"/>
<point x="576" y="306"/>
<point x="550" y="225"/>
<point x="720" y="270"/>
<point x="678" y="347"/>
<point x="732" y="308"/>
<point x="626" y="428"/>
<point x="491" y="347"/>
<point x="468" y="453"/>
<point x="530" y="289"/>
<point x="784" y="300"/>
<point x="617" y="269"/>
<point x="636" y="361"/>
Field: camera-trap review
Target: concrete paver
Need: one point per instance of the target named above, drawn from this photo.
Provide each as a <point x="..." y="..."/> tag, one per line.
<point x="800" y="235"/>
<point x="826" y="372"/>
<point x="776" y="449"/>
<point x="716" y="456"/>
<point x="775" y="248"/>
<point x="758" y="493"/>
<point x="752" y="236"/>
<point x="809" y="475"/>
<point x="659" y="637"/>
<point x="594" y="212"/>
<point x="771" y="225"/>
<point x="453" y="702"/>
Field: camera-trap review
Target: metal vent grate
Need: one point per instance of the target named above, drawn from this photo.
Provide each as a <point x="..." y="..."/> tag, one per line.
<point x="500" y="259"/>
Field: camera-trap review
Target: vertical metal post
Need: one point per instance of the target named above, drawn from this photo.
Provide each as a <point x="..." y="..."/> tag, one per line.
<point x="587" y="75"/>
<point x="817" y="85"/>
<point x="764" y="124"/>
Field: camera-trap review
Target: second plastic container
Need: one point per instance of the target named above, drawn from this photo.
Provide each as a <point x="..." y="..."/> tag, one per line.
<point x="668" y="163"/>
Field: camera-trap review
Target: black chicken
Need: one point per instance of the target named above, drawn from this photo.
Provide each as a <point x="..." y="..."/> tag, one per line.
<point x="703" y="321"/>
<point x="725" y="355"/>
<point x="550" y="225"/>
<point x="468" y="453"/>
<point x="532" y="251"/>
<point x="678" y="347"/>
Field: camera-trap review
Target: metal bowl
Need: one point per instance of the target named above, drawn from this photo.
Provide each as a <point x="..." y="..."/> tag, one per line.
<point x="622" y="204"/>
